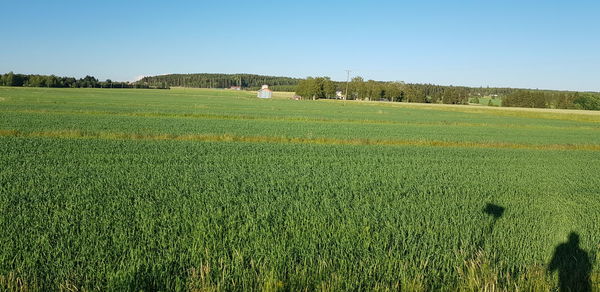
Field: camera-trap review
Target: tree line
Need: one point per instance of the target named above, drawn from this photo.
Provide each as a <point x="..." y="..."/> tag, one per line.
<point x="359" y="89"/>
<point x="324" y="87"/>
<point x="210" y="80"/>
<point x="35" y="80"/>
<point x="552" y="99"/>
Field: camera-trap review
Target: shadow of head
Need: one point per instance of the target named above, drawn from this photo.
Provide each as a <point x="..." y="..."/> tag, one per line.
<point x="573" y="239"/>
<point x="495" y="211"/>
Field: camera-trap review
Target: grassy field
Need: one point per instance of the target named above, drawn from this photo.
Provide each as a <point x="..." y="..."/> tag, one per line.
<point x="485" y="100"/>
<point x="187" y="189"/>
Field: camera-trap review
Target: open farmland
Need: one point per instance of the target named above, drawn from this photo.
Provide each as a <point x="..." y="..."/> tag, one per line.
<point x="182" y="189"/>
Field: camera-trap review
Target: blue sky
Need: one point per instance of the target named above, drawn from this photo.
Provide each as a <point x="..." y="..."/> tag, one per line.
<point x="527" y="44"/>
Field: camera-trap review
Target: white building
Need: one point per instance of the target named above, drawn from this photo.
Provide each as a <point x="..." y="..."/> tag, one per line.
<point x="265" y="92"/>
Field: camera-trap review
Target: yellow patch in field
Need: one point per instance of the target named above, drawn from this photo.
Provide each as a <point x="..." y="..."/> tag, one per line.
<point x="292" y="140"/>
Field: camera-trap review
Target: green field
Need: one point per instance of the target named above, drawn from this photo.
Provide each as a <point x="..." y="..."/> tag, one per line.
<point x="485" y="100"/>
<point x="188" y="189"/>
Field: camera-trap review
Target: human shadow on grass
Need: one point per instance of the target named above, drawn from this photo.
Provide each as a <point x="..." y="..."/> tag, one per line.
<point x="496" y="211"/>
<point x="573" y="265"/>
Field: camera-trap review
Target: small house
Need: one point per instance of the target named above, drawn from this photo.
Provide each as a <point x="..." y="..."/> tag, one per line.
<point x="265" y="92"/>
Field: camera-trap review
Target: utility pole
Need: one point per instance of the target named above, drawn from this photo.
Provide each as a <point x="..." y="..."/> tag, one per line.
<point x="347" y="81"/>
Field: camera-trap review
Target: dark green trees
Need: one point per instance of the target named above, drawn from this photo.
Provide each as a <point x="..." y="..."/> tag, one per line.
<point x="210" y="80"/>
<point x="9" y="79"/>
<point x="375" y="90"/>
<point x="394" y="91"/>
<point x="542" y="99"/>
<point x="314" y="88"/>
<point x="588" y="101"/>
<point x="34" y="80"/>
<point x="12" y="79"/>
<point x="455" y="95"/>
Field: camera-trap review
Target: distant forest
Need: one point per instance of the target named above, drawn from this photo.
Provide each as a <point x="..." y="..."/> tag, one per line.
<point x="324" y="87"/>
<point x="34" y="80"/>
<point x="209" y="80"/>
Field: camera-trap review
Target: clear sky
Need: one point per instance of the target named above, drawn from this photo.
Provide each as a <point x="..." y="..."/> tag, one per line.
<point x="527" y="44"/>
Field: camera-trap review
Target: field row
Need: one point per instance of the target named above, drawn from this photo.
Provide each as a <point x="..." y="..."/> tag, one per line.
<point x="255" y="117"/>
<point x="163" y="215"/>
<point x="150" y="125"/>
<point x="77" y="134"/>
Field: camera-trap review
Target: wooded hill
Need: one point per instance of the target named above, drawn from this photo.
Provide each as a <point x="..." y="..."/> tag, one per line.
<point x="210" y="80"/>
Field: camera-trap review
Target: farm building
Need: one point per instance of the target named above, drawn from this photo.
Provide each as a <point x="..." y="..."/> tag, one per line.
<point x="265" y="92"/>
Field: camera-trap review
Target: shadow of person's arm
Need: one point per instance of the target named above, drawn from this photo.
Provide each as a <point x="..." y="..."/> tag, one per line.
<point x="553" y="265"/>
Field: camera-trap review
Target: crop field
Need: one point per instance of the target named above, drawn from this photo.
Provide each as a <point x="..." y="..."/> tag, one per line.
<point x="211" y="190"/>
